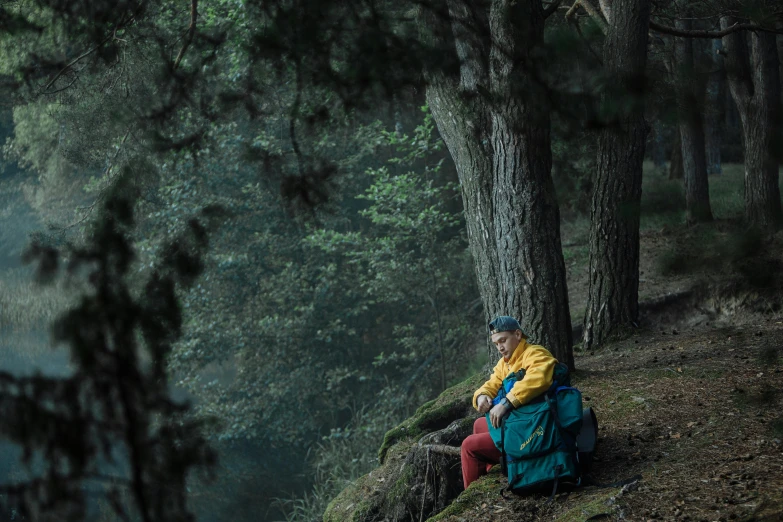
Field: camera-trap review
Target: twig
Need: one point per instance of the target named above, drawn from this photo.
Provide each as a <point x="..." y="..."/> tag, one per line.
<point x="698" y="33"/>
<point x="572" y="10"/>
<point x="74" y="61"/>
<point x="84" y="55"/>
<point x="191" y="32"/>
<point x="106" y="173"/>
<point x="61" y="89"/>
<point x="443" y="449"/>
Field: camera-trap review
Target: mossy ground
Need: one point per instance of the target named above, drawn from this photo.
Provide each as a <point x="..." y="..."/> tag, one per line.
<point x="368" y="494"/>
<point x="453" y="403"/>
<point x="479" y="493"/>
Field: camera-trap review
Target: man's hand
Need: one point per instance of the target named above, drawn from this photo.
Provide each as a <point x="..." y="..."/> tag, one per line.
<point x="484" y="403"/>
<point x="496" y="415"/>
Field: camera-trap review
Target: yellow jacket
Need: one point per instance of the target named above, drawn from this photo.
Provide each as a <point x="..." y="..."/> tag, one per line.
<point x="539" y="365"/>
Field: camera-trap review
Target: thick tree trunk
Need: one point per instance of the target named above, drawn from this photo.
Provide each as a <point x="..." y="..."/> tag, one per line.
<point x="496" y="125"/>
<point x="715" y="109"/>
<point x="614" y="230"/>
<point x="754" y="83"/>
<point x="694" y="155"/>
<point x="527" y="217"/>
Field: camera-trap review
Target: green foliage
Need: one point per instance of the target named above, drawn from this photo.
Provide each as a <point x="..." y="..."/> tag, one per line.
<point x="412" y="263"/>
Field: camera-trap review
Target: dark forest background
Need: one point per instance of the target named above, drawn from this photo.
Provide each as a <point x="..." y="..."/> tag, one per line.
<point x="235" y="247"/>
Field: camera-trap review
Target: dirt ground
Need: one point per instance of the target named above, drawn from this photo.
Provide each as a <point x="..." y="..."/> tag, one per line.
<point x="692" y="401"/>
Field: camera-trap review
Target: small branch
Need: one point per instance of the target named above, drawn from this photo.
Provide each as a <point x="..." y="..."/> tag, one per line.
<point x="698" y="33"/>
<point x="572" y="10"/>
<point x="190" y="33"/>
<point x="48" y="93"/>
<point x="107" y="174"/>
<point x="443" y="449"/>
<point x="85" y="55"/>
<point x="74" y="62"/>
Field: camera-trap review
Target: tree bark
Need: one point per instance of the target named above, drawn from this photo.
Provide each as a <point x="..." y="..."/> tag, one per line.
<point x="613" y="289"/>
<point x="754" y="83"/>
<point x="675" y="158"/>
<point x="658" y="153"/>
<point x="691" y="124"/>
<point x="495" y="123"/>
<point x="715" y="108"/>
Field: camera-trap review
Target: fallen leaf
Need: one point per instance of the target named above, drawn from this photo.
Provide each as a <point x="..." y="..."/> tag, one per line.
<point x="676" y="436"/>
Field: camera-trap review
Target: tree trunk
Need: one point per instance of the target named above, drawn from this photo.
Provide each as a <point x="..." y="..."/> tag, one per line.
<point x="675" y="162"/>
<point x="754" y="83"/>
<point x="613" y="289"/>
<point x="715" y="108"/>
<point x="495" y="122"/>
<point x="689" y="109"/>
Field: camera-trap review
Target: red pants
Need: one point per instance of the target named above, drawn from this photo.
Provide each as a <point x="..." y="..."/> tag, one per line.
<point x="478" y="452"/>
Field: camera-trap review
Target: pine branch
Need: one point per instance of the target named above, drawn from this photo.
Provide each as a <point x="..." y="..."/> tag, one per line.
<point x="190" y="33"/>
<point x="85" y="55"/>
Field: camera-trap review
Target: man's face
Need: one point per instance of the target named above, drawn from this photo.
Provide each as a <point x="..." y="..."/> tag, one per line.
<point x="506" y="342"/>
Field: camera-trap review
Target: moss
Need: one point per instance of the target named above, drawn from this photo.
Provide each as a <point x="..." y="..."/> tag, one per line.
<point x="351" y="504"/>
<point x="434" y="415"/>
<point x="360" y="500"/>
<point x="399" y="490"/>
<point x="479" y="491"/>
<point x="590" y="505"/>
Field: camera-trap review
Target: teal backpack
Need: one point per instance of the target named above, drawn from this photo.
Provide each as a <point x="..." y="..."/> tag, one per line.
<point x="548" y="441"/>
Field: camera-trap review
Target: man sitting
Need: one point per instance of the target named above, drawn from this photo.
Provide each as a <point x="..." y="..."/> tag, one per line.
<point x="478" y="451"/>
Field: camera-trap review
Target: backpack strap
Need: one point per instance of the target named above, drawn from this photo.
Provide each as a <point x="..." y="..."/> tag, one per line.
<point x="589" y="433"/>
<point x="558" y="469"/>
<point x="503" y="457"/>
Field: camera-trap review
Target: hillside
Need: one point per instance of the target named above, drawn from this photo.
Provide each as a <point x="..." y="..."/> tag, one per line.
<point x="691" y="400"/>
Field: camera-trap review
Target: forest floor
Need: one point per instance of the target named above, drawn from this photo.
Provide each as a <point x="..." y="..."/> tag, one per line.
<point x="692" y="400"/>
<point x="695" y="411"/>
